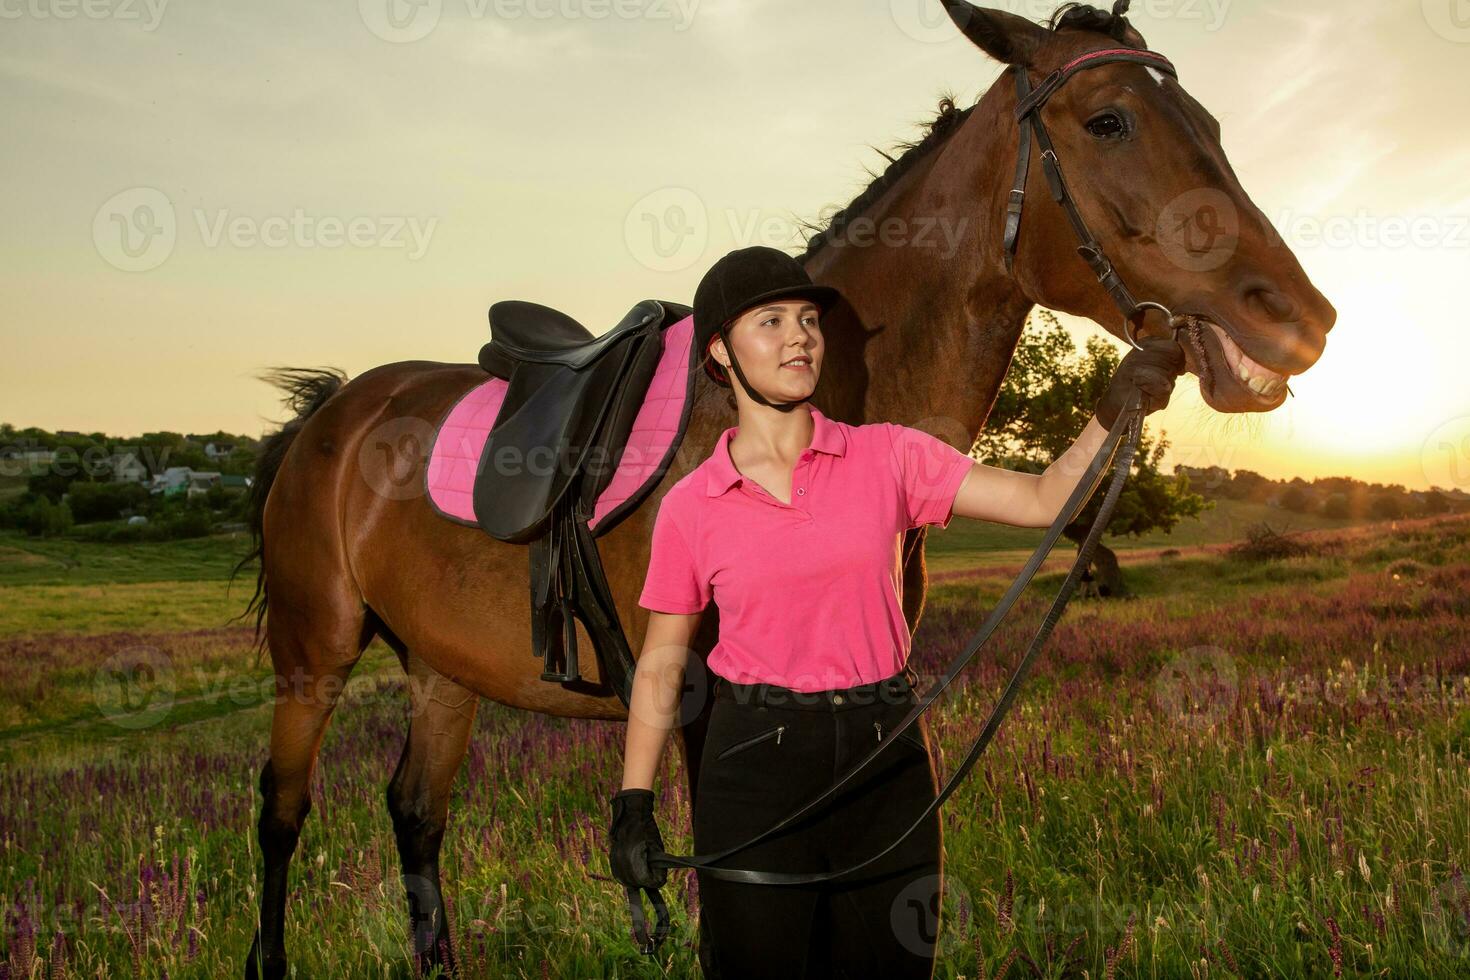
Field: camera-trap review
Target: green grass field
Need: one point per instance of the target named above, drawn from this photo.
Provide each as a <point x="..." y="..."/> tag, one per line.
<point x="1247" y="770"/>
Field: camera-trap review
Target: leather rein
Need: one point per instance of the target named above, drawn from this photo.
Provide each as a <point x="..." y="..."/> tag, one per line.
<point x="1126" y="430"/>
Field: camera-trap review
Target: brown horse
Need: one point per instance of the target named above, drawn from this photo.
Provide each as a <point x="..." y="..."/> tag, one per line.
<point x="932" y="322"/>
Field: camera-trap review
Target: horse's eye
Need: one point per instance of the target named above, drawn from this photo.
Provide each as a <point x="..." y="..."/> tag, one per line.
<point x="1106" y="126"/>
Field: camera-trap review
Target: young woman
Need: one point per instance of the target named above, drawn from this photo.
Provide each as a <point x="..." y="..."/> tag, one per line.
<point x="793" y="527"/>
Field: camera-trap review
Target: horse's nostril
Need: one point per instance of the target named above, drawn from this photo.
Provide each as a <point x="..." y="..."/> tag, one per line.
<point x="1273" y="304"/>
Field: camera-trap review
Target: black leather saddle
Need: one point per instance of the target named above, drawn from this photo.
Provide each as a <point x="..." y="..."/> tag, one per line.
<point x="559" y="439"/>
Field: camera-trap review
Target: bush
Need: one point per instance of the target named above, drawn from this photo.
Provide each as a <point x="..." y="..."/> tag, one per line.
<point x="1387" y="507"/>
<point x="191" y="524"/>
<point x="186" y="524"/>
<point x="1296" y="500"/>
<point x="13" y="511"/>
<point x="104" y="501"/>
<point x="46" y="520"/>
<point x="50" y="484"/>
<point x="1264" y="543"/>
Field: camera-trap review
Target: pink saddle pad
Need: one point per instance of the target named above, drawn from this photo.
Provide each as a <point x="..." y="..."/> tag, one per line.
<point x="460" y="439"/>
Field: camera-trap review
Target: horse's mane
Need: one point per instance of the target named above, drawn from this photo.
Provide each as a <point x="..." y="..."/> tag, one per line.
<point x="1082" y="17"/>
<point x="1069" y="16"/>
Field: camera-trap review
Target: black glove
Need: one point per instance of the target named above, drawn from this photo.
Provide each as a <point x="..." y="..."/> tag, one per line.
<point x="633" y="837"/>
<point x="1151" y="370"/>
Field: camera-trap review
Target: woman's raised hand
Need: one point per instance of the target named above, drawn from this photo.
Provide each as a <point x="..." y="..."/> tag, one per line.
<point x="1151" y="370"/>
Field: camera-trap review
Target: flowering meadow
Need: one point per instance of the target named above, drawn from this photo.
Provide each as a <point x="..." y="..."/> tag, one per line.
<point x="1251" y="768"/>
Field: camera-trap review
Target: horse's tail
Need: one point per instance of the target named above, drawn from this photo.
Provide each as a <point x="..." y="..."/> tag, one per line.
<point x="306" y="390"/>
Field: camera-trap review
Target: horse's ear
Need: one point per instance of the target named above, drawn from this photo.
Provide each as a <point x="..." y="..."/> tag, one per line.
<point x="1006" y="37"/>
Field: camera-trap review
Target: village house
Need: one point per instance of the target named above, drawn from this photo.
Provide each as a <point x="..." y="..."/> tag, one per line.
<point x="200" y="482"/>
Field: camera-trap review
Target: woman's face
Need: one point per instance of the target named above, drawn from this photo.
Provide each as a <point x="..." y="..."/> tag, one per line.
<point x="779" y="346"/>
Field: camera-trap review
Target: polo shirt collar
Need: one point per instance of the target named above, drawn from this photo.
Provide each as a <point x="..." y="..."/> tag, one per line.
<point x="827" y="437"/>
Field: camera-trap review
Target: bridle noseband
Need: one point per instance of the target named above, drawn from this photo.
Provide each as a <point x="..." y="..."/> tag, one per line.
<point x="1028" y="110"/>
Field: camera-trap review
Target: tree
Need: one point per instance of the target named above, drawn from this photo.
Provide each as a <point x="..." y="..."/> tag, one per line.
<point x="1296" y="499"/>
<point x="1251" y="486"/>
<point x="1046" y="401"/>
<point x="1386" y="506"/>
<point x="45" y="519"/>
<point x="104" y="501"/>
<point x="1336" y="507"/>
<point x="1436" y="503"/>
<point x="217" y="497"/>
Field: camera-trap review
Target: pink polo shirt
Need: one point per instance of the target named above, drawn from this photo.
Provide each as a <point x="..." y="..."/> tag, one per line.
<point x="810" y="592"/>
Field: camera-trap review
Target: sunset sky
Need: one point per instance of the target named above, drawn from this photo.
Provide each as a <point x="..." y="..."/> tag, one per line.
<point x="197" y="191"/>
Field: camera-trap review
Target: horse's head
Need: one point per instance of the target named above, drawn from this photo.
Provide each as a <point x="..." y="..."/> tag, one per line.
<point x="1143" y="163"/>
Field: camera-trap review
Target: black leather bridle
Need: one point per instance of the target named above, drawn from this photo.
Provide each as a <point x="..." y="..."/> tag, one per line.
<point x="1126" y="431"/>
<point x="1028" y="109"/>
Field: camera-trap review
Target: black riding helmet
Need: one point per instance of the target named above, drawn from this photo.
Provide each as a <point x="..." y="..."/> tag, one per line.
<point x="734" y="284"/>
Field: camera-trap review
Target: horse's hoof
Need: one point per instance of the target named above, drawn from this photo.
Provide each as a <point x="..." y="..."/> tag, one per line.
<point x="273" y="967"/>
<point x="439" y="957"/>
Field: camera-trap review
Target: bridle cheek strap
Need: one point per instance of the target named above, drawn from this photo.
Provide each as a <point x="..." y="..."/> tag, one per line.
<point x="1028" y="116"/>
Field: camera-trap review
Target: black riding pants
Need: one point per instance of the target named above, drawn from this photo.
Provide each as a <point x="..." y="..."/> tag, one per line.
<point x="768" y="751"/>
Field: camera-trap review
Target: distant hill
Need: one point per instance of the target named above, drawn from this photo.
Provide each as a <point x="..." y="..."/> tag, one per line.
<point x="1336" y="498"/>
